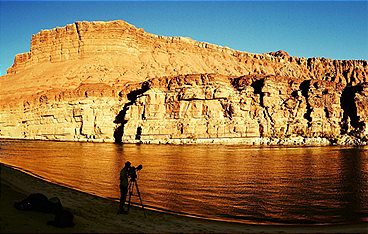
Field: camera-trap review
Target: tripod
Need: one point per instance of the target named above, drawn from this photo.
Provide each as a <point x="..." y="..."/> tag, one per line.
<point x="133" y="183"/>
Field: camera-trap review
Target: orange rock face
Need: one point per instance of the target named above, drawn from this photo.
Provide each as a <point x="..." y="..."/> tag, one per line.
<point x="104" y="80"/>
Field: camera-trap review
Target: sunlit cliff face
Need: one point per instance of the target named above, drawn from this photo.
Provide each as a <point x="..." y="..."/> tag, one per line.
<point x="76" y="81"/>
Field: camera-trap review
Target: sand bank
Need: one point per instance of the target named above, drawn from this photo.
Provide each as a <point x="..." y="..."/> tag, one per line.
<point x="99" y="215"/>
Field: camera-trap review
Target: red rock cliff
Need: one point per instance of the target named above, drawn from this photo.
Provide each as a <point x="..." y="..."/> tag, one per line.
<point x="75" y="74"/>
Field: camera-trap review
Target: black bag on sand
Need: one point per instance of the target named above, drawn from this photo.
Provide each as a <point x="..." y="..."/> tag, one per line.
<point x="55" y="205"/>
<point x="63" y="218"/>
<point x="39" y="202"/>
<point x="35" y="201"/>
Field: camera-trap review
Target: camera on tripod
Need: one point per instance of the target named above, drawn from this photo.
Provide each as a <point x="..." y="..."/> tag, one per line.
<point x="132" y="172"/>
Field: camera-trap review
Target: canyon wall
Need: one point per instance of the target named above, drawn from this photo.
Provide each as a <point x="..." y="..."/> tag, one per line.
<point x="110" y="81"/>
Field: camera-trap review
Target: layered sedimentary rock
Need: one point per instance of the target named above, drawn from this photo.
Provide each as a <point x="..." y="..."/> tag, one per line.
<point x="108" y="81"/>
<point x="85" y="113"/>
<point x="247" y="109"/>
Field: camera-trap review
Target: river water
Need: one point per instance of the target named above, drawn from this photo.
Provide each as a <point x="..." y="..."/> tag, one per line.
<point x="263" y="185"/>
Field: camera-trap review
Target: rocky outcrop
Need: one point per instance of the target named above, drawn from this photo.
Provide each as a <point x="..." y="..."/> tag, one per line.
<point x="110" y="81"/>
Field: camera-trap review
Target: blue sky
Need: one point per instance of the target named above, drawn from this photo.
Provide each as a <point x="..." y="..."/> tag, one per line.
<point x="337" y="30"/>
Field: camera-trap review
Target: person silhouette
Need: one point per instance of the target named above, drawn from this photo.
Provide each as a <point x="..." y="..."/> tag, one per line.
<point x="123" y="186"/>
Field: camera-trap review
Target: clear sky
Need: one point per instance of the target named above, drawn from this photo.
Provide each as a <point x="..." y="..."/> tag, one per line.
<point x="337" y="30"/>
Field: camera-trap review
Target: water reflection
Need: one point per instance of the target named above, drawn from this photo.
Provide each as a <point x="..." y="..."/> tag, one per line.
<point x="262" y="185"/>
<point x="351" y="180"/>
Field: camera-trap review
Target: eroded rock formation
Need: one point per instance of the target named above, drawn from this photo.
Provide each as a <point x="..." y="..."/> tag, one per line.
<point x="110" y="81"/>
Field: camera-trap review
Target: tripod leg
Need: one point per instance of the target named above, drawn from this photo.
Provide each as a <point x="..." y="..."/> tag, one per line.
<point x="140" y="198"/>
<point x="130" y="190"/>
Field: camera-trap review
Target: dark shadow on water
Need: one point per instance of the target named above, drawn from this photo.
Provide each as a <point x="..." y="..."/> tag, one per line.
<point x="120" y="118"/>
<point x="352" y="183"/>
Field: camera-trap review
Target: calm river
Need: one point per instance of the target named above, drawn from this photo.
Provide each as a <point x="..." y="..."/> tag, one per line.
<point x="308" y="185"/>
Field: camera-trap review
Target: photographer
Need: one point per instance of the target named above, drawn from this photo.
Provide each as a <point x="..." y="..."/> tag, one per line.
<point x="124" y="173"/>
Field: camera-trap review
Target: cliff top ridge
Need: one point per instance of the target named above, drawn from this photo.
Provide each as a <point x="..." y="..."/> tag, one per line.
<point x="115" y="53"/>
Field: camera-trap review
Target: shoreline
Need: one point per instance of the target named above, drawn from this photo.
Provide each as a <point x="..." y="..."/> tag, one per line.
<point x="99" y="215"/>
<point x="244" y="141"/>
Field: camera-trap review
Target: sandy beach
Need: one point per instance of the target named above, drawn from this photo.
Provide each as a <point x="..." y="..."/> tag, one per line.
<point x="99" y="215"/>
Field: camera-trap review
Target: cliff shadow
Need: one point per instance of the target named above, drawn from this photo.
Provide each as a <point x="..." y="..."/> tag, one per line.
<point x="120" y="118"/>
<point x="257" y="86"/>
<point x="347" y="101"/>
<point x="304" y="88"/>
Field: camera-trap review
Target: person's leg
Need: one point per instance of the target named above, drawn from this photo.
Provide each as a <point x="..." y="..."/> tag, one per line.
<point x="122" y="199"/>
<point x="123" y="194"/>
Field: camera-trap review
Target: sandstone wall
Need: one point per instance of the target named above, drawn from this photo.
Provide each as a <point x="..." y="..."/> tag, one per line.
<point x="203" y="108"/>
<point x="249" y="108"/>
<point x="84" y="114"/>
<point x="87" y="119"/>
